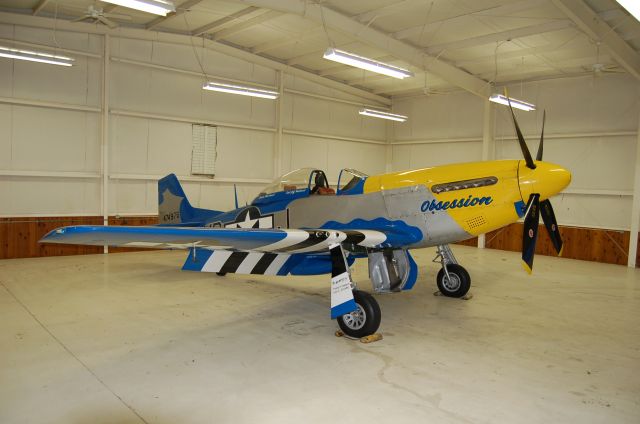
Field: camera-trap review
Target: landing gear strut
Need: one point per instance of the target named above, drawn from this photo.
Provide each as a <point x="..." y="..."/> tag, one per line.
<point x="358" y="313"/>
<point x="452" y="280"/>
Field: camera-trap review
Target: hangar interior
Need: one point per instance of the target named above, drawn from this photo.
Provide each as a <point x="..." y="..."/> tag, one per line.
<point x="130" y="338"/>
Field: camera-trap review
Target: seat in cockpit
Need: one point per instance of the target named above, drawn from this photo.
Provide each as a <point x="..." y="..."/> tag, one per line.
<point x="321" y="185"/>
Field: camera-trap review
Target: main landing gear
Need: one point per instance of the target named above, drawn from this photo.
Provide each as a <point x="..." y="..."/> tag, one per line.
<point x="365" y="320"/>
<point x="452" y="280"/>
<point x="358" y="313"/>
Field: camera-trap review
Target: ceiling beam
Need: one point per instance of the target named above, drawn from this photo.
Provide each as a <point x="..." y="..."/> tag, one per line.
<point x="597" y="29"/>
<point x="378" y="39"/>
<point x="394" y="91"/>
<point x="256" y="20"/>
<point x="500" y="36"/>
<point x="518" y="53"/>
<point x="109" y="7"/>
<point x="183" y="8"/>
<point x="185" y="40"/>
<point x="366" y="78"/>
<point x="296" y="60"/>
<point x="386" y="10"/>
<point x="38" y="7"/>
<point x="503" y="10"/>
<point x="285" y="41"/>
<point x="223" y="21"/>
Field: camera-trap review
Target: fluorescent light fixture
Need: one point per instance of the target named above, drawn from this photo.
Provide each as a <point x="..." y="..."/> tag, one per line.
<point x="366" y="63"/>
<point x="383" y="115"/>
<point x="35" y="56"/>
<point x="632" y="6"/>
<point x="518" y="104"/>
<point x="157" y="7"/>
<point x="240" y="89"/>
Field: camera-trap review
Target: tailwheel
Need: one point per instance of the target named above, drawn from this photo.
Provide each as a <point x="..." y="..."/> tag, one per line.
<point x="365" y="320"/>
<point x="454" y="282"/>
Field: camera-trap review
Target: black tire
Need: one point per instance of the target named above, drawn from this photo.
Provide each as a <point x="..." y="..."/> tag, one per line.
<point x="363" y="322"/>
<point x="460" y="281"/>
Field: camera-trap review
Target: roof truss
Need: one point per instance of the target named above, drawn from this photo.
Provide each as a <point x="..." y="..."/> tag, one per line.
<point x="376" y="38"/>
<point x="184" y="7"/>
<point x="597" y="29"/>
<point x="223" y="21"/>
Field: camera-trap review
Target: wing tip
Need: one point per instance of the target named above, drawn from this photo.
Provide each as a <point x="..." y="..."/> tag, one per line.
<point x="50" y="236"/>
<point x="527" y="267"/>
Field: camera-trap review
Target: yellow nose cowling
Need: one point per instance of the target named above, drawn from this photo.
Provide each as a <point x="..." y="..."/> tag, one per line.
<point x="547" y="179"/>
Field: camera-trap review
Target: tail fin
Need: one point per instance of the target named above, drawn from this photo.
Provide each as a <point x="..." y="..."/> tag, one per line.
<point x="174" y="207"/>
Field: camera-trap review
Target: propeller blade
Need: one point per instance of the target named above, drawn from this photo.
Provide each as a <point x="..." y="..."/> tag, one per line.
<point x="523" y="144"/>
<point x="539" y="155"/>
<point x="81" y="18"/>
<point x="550" y="222"/>
<point x="530" y="234"/>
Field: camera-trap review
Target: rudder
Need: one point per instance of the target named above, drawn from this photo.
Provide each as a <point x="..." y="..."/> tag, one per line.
<point x="174" y="207"/>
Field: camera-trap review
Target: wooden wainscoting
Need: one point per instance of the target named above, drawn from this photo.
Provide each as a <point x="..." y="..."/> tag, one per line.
<point x="131" y="220"/>
<point x="19" y="239"/>
<point x="588" y="244"/>
<point x="19" y="235"/>
<point x="473" y="242"/>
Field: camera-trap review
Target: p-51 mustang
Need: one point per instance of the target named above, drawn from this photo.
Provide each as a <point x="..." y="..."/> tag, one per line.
<point x="301" y="226"/>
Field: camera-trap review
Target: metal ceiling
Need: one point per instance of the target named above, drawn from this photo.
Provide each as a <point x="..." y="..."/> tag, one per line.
<point x="448" y="44"/>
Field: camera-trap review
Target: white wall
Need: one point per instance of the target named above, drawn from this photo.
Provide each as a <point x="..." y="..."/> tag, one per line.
<point x="35" y="139"/>
<point x="50" y="158"/>
<point x="598" y="118"/>
<point x="441" y="129"/>
<point x="149" y="147"/>
<point x="329" y="119"/>
<point x="591" y="130"/>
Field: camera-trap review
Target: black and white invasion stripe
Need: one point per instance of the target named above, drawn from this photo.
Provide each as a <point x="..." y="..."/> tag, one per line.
<point x="245" y="262"/>
<point x="307" y="241"/>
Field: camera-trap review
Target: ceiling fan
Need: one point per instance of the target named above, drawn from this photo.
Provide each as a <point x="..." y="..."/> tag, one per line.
<point x="96" y="14"/>
<point x="598" y="68"/>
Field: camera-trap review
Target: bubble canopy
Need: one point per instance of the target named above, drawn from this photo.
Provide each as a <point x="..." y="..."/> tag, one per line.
<point x="291" y="181"/>
<point x="309" y="181"/>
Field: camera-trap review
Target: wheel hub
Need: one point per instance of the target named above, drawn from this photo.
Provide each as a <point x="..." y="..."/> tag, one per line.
<point x="451" y="282"/>
<point x="356" y="319"/>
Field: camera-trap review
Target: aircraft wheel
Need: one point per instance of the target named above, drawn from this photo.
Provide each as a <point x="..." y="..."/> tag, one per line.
<point x="365" y="320"/>
<point x="457" y="285"/>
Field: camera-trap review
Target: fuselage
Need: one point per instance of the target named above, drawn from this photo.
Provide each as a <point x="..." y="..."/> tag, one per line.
<point x="417" y="208"/>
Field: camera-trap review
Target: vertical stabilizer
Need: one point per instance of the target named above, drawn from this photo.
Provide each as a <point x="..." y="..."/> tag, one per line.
<point x="174" y="207"/>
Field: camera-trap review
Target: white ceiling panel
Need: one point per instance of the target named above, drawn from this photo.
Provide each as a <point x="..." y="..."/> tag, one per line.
<point x="525" y="38"/>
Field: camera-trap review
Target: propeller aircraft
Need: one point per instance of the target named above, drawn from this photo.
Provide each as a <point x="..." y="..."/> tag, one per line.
<point x="299" y="225"/>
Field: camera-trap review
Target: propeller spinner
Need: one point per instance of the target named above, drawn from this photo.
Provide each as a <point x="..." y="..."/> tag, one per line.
<point x="538" y="180"/>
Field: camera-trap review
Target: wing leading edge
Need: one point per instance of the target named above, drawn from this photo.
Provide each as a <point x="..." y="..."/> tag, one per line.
<point x="261" y="240"/>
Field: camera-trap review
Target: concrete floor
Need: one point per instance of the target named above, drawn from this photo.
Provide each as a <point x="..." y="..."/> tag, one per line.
<point x="128" y="338"/>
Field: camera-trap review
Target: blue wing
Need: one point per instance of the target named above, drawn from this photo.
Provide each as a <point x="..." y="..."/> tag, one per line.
<point x="245" y="239"/>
